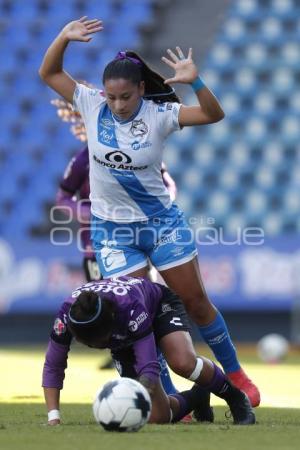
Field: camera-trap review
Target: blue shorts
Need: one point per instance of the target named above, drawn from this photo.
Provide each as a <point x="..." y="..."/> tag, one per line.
<point x="121" y="248"/>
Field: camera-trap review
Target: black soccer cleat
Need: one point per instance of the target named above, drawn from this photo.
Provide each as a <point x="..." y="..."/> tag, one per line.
<point x="240" y="407"/>
<point x="204" y="412"/>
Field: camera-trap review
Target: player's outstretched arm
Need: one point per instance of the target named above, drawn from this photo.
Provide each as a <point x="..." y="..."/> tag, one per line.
<point x="51" y="70"/>
<point x="52" y="401"/>
<point x="209" y="109"/>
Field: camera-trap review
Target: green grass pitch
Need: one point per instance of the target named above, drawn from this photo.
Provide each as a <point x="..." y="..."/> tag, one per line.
<point x="23" y="415"/>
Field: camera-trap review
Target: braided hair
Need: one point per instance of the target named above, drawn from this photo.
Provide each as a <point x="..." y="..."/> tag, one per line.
<point x="130" y="66"/>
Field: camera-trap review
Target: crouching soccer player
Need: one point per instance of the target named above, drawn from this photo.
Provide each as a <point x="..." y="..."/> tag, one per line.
<point x="130" y="316"/>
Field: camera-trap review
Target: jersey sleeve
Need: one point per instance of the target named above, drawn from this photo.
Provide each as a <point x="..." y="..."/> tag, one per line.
<point x="139" y="321"/>
<point x="76" y="172"/>
<point x="167" y="118"/>
<point x="141" y="335"/>
<point x="57" y="351"/>
<point x="86" y="100"/>
<point x="146" y="362"/>
<point x="152" y="291"/>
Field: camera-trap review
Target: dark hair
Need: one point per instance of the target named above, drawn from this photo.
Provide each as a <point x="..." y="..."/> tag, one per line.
<point x="138" y="71"/>
<point x="90" y="317"/>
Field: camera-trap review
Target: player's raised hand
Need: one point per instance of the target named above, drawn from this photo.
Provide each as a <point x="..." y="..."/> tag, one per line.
<point x="185" y="68"/>
<point x="82" y="29"/>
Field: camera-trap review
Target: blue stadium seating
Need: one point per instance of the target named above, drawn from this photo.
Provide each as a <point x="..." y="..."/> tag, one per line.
<point x="34" y="146"/>
<point x="253" y="67"/>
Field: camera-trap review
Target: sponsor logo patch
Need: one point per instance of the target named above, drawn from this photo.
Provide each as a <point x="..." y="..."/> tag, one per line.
<point x="176" y="321"/>
<point x="115" y="165"/>
<point x="137" y="146"/>
<point x="118" y="157"/>
<point x="107" y="123"/>
<point x="170" y="238"/>
<point x="59" y="327"/>
<point x="106" y="137"/>
<point x="134" y="324"/>
<point x="165" y="307"/>
<point x="112" y="258"/>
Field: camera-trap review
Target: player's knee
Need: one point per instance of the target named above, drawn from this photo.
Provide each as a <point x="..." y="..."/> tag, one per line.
<point x="185" y="365"/>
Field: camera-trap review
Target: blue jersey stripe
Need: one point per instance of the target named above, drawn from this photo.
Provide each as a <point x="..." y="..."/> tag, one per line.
<point x="148" y="203"/>
<point x="106" y="128"/>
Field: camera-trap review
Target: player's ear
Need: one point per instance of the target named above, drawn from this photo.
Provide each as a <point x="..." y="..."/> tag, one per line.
<point x="142" y="88"/>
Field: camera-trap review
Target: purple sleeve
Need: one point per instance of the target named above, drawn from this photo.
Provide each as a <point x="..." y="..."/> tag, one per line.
<point x="146" y="358"/>
<point x="80" y="211"/>
<point x="74" y="178"/>
<point x="76" y="172"/>
<point x="152" y="293"/>
<point x="55" y="365"/>
<point x="57" y="351"/>
<point x="141" y="332"/>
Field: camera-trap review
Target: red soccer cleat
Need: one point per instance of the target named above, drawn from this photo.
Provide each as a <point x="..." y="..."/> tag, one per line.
<point x="240" y="380"/>
<point x="187" y="419"/>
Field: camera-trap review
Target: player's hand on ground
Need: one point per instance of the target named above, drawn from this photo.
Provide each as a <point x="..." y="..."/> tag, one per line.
<point x="53" y="422"/>
<point x="82" y="29"/>
<point x="185" y="68"/>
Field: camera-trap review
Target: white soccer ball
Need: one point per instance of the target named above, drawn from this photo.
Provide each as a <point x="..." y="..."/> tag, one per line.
<point x="272" y="348"/>
<point x="122" y="405"/>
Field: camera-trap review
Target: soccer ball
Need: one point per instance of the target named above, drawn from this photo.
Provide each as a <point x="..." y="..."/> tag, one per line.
<point x="272" y="348"/>
<point x="122" y="405"/>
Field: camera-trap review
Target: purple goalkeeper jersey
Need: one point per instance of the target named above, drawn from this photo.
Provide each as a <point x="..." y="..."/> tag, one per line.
<point x="136" y="301"/>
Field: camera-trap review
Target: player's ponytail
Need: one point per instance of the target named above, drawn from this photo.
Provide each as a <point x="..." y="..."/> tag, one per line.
<point x="155" y="89"/>
<point x="130" y="66"/>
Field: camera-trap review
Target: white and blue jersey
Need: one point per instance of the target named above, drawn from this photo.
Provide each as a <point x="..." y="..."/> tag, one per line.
<point x="126" y="157"/>
<point x="133" y="218"/>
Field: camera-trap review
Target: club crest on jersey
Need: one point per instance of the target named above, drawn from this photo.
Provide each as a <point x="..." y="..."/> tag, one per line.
<point x="138" y="128"/>
<point x="59" y="327"/>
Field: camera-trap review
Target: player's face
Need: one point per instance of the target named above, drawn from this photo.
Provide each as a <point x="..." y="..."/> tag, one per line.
<point x="123" y="97"/>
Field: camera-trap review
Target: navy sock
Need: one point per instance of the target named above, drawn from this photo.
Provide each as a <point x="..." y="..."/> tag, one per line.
<point x="216" y="335"/>
<point x="165" y="377"/>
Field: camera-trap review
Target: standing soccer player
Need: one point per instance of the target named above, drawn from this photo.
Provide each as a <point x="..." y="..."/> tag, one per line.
<point x="74" y="188"/>
<point x="74" y="193"/>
